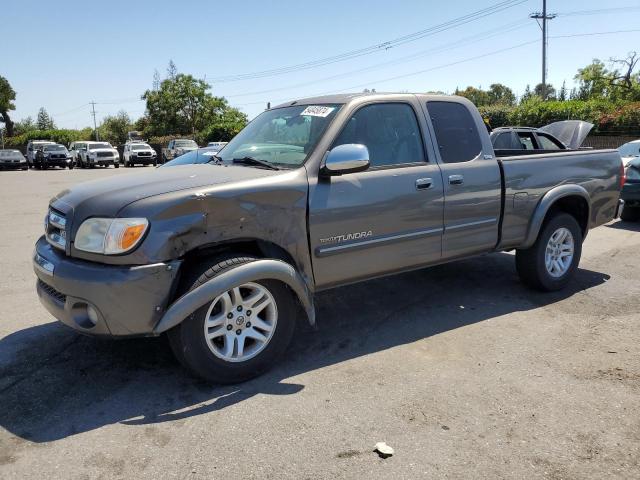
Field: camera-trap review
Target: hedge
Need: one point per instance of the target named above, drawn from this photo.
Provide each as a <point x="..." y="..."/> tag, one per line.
<point x="64" y="137"/>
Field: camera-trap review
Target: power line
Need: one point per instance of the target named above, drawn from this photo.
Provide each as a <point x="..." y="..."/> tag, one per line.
<point x="503" y="29"/>
<point x="438" y="67"/>
<point x="70" y="111"/>
<point x="598" y="11"/>
<point x="383" y="46"/>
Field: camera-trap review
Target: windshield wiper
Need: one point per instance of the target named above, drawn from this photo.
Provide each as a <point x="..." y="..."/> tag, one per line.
<point x="255" y="162"/>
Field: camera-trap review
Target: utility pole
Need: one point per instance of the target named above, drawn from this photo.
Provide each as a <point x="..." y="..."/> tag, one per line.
<point x="544" y="17"/>
<point x="93" y="112"/>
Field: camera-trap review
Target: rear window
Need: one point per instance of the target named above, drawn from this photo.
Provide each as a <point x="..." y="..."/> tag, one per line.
<point x="503" y="141"/>
<point x="456" y="133"/>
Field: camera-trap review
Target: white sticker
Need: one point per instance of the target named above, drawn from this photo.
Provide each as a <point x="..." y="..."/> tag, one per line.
<point x="317" y="111"/>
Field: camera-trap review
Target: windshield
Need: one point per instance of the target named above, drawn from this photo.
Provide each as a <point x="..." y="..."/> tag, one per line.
<point x="55" y="148"/>
<point x="186" y="143"/>
<point x="140" y="147"/>
<point x="195" y="156"/>
<point x="283" y="137"/>
<point x="630" y="149"/>
<point x="95" y="146"/>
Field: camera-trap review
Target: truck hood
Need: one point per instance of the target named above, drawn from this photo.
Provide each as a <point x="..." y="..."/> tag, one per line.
<point x="108" y="196"/>
<point x="96" y="150"/>
<point x="570" y="132"/>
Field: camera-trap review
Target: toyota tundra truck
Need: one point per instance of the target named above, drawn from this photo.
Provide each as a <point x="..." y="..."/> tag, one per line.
<point x="225" y="257"/>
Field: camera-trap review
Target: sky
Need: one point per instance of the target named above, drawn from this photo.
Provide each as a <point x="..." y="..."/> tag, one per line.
<point x="68" y="53"/>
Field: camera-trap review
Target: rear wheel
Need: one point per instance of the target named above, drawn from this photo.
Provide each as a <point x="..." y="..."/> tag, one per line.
<point x="239" y="334"/>
<point x="552" y="260"/>
<point x="630" y="214"/>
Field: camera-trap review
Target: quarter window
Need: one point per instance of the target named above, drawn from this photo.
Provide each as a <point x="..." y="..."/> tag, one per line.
<point x="456" y="132"/>
<point x="389" y="130"/>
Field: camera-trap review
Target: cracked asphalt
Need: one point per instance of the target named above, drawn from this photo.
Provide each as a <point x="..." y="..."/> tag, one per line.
<point x="459" y="368"/>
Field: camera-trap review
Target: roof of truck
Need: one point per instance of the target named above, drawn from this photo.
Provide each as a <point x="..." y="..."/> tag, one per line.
<point x="347" y="97"/>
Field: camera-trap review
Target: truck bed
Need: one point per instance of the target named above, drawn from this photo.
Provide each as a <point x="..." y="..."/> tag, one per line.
<point x="528" y="177"/>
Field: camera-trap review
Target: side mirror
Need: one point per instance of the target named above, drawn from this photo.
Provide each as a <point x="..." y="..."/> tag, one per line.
<point x="347" y="158"/>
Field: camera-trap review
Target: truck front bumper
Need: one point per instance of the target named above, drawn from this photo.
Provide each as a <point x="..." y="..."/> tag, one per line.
<point x="631" y="194"/>
<point x="103" y="300"/>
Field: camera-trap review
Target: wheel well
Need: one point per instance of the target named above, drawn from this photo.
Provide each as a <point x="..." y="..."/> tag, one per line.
<point x="256" y="248"/>
<point x="576" y="206"/>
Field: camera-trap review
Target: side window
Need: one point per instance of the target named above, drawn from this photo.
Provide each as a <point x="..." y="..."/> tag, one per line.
<point x="389" y="130"/>
<point x="503" y="141"/>
<point x="526" y="140"/>
<point x="547" y="143"/>
<point x="456" y="131"/>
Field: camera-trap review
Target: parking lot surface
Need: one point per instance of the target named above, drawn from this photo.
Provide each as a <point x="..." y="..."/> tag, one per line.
<point x="461" y="369"/>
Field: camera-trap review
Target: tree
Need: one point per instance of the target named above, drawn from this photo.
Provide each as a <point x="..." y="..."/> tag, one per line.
<point x="562" y="95"/>
<point x="182" y="105"/>
<point x="25" y="125"/>
<point x="172" y="70"/>
<point x="44" y="121"/>
<point x="156" y="80"/>
<point x="527" y="94"/>
<point x="478" y="96"/>
<point x="7" y="96"/>
<point x="115" y="127"/>
<point x="501" y="94"/>
<point x="545" y="92"/>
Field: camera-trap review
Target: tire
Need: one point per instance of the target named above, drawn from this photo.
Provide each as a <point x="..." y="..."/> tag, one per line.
<point x="630" y="214"/>
<point x="196" y="352"/>
<point x="531" y="263"/>
<point x="116" y="165"/>
<point x="70" y="166"/>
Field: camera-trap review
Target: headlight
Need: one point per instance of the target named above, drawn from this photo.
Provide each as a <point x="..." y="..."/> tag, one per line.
<point x="110" y="236"/>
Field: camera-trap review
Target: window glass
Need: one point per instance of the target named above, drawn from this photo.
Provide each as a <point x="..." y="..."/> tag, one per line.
<point x="546" y="143"/>
<point x="526" y="141"/>
<point x="389" y="130"/>
<point x="456" y="132"/>
<point x="503" y="141"/>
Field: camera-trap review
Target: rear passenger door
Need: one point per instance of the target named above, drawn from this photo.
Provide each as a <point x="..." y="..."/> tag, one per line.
<point x="387" y="218"/>
<point x="472" y="180"/>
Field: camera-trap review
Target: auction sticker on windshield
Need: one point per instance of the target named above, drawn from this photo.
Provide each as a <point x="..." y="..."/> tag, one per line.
<point x="317" y="111"/>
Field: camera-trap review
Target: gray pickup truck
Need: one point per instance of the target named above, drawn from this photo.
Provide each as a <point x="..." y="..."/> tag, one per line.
<point x="311" y="195"/>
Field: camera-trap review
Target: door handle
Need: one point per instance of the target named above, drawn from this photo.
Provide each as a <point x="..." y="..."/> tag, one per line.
<point x="456" y="179"/>
<point x="424" y="183"/>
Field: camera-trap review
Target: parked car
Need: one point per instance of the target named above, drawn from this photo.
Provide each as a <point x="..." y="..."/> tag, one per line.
<point x="629" y="151"/>
<point x="134" y="137"/>
<point x="563" y="135"/>
<point x="310" y="195"/>
<point x="12" y="160"/>
<point x="75" y="148"/>
<point x="92" y="154"/>
<point x="631" y="190"/>
<point x="54" y="155"/>
<point x="216" y="145"/>
<point x="32" y="148"/>
<point x="177" y="147"/>
<point x="201" y="155"/>
<point x="138" y="153"/>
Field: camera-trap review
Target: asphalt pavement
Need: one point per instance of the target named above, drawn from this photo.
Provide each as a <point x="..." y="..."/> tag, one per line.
<point x="460" y="368"/>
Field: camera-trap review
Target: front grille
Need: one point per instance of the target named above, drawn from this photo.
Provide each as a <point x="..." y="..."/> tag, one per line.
<point x="144" y="154"/>
<point x="52" y="292"/>
<point x="56" y="229"/>
<point x="59" y="156"/>
<point x="104" y="154"/>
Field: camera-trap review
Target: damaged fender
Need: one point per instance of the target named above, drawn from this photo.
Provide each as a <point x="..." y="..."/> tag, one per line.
<point x="248" y="272"/>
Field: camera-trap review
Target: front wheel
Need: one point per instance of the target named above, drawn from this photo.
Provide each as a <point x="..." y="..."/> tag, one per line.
<point x="239" y="334"/>
<point x="553" y="259"/>
<point x="116" y="165"/>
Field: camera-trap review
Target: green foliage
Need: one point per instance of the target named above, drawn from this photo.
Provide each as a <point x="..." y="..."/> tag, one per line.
<point x="62" y="136"/>
<point x="620" y="82"/>
<point x="7" y="96"/>
<point x="114" y="128"/>
<point x="44" y="121"/>
<point x="24" y="126"/>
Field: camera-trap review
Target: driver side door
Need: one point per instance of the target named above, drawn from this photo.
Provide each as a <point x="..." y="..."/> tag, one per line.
<point x="387" y="218"/>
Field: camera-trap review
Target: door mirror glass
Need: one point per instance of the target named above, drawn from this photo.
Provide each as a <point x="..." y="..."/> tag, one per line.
<point x="347" y="158"/>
